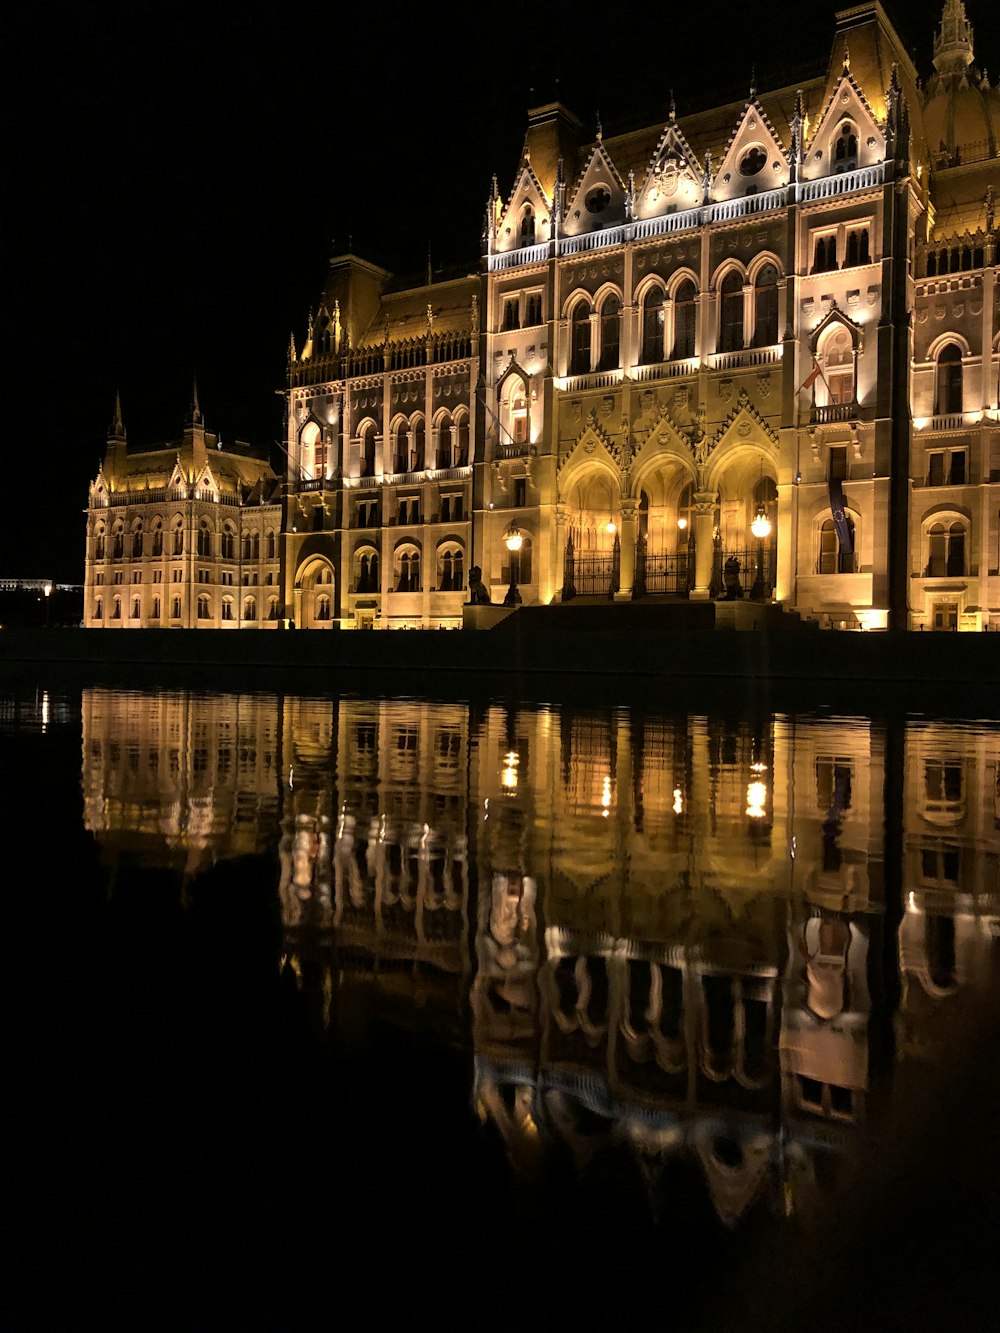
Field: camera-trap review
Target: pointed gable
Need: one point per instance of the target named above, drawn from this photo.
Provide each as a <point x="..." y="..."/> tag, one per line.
<point x="598" y="199"/>
<point x="527" y="194"/>
<point x="674" y="176"/>
<point x="847" y="133"/>
<point x="755" y="159"/>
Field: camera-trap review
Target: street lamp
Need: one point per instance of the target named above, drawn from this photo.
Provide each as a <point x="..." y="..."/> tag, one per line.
<point x="761" y="529"/>
<point x="512" y="540"/>
<point x="47" y="589"/>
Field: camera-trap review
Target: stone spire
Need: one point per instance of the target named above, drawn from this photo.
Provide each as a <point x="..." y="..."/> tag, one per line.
<point x="117" y="428"/>
<point x="953" y="43"/>
<point x="194" y="417"/>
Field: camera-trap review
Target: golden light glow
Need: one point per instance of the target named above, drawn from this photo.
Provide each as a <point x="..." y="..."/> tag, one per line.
<point x="606" y="796"/>
<point x="508" y="774"/>
<point x="612" y="527"/>
<point x="682" y="523"/>
<point x="756" y="800"/>
<point x="513" y="539"/>
<point x="761" y="526"/>
<point x="678" y="801"/>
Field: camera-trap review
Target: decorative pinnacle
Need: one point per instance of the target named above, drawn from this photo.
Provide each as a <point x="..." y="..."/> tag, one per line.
<point x="600" y="128"/>
<point x="753" y="82"/>
<point x="194" y="412"/>
<point x="117" y="431"/>
<point x="673" y="107"/>
<point x="847" y="57"/>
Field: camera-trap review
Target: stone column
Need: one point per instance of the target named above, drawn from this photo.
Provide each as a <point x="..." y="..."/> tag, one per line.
<point x="704" y="531"/>
<point x="629" y="529"/>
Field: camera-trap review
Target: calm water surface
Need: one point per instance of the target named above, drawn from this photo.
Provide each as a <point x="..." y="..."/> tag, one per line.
<point x="353" y="1010"/>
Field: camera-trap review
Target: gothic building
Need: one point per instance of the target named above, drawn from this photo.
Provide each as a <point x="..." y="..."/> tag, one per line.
<point x="753" y="351"/>
<point x="183" y="535"/>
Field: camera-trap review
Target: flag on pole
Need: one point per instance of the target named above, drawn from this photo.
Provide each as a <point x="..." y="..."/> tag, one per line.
<point x="814" y="374"/>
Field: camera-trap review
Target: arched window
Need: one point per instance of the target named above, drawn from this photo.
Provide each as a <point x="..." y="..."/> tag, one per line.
<point x="250" y="608"/>
<point x="858" y="247"/>
<point x="136" y="608"/>
<point x="272" y="608"/>
<point x="228" y="543"/>
<point x="255" y="546"/>
<point x="323" y="607"/>
<point x="766" y="312"/>
<point x="945" y="550"/>
<point x="99" y="544"/>
<point x="368" y="572"/>
<point x="527" y="227"/>
<point x="731" y="314"/>
<point x="118" y="543"/>
<point x="644" y="515"/>
<point x="99" y="609"/>
<point x="247" y="545"/>
<point x="312" y="451"/>
<point x="610" y="333"/>
<point x="417" y="455"/>
<point x="461" y="439"/>
<point x="825" y="253"/>
<point x="838" y="366"/>
<point x="204" y="541"/>
<point x="271" y="546"/>
<point x="116" y="609"/>
<point x="368" y="449"/>
<point x="685" y="313"/>
<point x="451" y="570"/>
<point x="956" y="550"/>
<point x="408" y="576"/>
<point x="845" y="148"/>
<point x="950" y="396"/>
<point x="227" y="608"/>
<point x="137" y="542"/>
<point x="175" y="608"/>
<point x="519" y="417"/>
<point x="401" y="448"/>
<point x="580" y="339"/>
<point x="652" y="326"/>
<point x="157" y="538"/>
<point x="178" y="538"/>
<point x="443" y="454"/>
<point x="204" y="607"/>
<point x="832" y="558"/>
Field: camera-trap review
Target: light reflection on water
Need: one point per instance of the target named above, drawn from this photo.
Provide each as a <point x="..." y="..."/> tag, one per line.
<point x="702" y="937"/>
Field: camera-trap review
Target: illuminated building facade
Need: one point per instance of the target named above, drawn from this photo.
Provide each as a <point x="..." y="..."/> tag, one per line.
<point x="767" y="332"/>
<point x="185" y="535"/>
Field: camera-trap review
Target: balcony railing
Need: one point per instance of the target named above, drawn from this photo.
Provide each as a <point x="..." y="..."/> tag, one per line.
<point x="727" y="209"/>
<point x="596" y="379"/>
<point x="527" y="254"/>
<point x="666" y="370"/>
<point x="832" y="413"/>
<point x="865" y="178"/>
<point x="746" y="356"/>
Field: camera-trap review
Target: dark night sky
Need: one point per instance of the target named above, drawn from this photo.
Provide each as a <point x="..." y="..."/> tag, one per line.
<point x="177" y="172"/>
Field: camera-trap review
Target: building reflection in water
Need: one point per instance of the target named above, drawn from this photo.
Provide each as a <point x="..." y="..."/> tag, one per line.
<point x="696" y="937"/>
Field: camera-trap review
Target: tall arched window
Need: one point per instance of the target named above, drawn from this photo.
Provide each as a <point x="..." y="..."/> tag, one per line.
<point x="845" y="148"/>
<point x="685" y="313"/>
<point x="368" y="449"/>
<point x="580" y="339"/>
<point x="136" y="608"/>
<point x="118" y="543"/>
<point x="271" y="546"/>
<point x="946" y="550"/>
<point x="204" y="540"/>
<point x="178" y="538"/>
<point x="368" y="572"/>
<point x="417" y="454"/>
<point x="766" y="311"/>
<point x="272" y="608"/>
<point x="731" y="313"/>
<point x="652" y="326"/>
<point x="228" y="543"/>
<point x="137" y="542"/>
<point x="401" y="447"/>
<point x="99" y="544"/>
<point x="443" y="454"/>
<point x="204" y="607"/>
<point x="838" y="365"/>
<point x="250" y="608"/>
<point x="323" y="607"/>
<point x="833" y="559"/>
<point x="175" y="608"/>
<point x="157" y="538"/>
<point x="99" y="609"/>
<point x="461" y="439"/>
<point x="950" y="396"/>
<point x="227" y="608"/>
<point x="408" y="579"/>
<point x="116" y="609"/>
<point x="527" y="227"/>
<point x="610" y="333"/>
<point x="519" y="416"/>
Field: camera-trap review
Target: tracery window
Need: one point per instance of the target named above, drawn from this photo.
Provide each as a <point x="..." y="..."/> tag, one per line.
<point x="137" y="542"/>
<point x="685" y="313"/>
<point x="946" y="550"/>
<point x="158" y="539"/>
<point x="731" y="321"/>
<point x="652" y="326"/>
<point x="228" y="543"/>
<point x="527" y="227"/>
<point x="580" y="339"/>
<point x="610" y="333"/>
<point x="204" y="541"/>
<point x="408" y="572"/>
<point x="845" y="148"/>
<point x="766" y="307"/>
<point x="451" y="570"/>
<point x="204" y="607"/>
